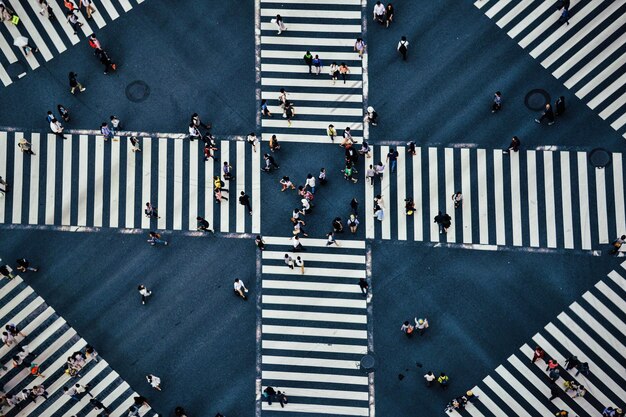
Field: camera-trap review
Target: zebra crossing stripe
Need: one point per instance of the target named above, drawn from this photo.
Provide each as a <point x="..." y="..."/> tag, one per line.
<point x="321" y="409"/>
<point x="516" y="199"/>
<point x="162" y="184"/>
<point x="177" y="212"/>
<point x="318" y="257"/>
<point x="310" y="2"/>
<point x="450" y="189"/>
<point x="606" y="312"/>
<point x="225" y="150"/>
<point x="434" y="192"/>
<point x="583" y="198"/>
<point x="34" y="180"/>
<point x="483" y="211"/>
<point x="315" y="377"/>
<point x="533" y="209"/>
<point x="599" y="329"/>
<point x="18" y="169"/>
<point x="301" y="41"/>
<point x="499" y="196"/>
<point x="466" y="190"/>
<point x="312" y="362"/>
<point x="521" y="390"/>
<point x="314" y="332"/>
<point x="514" y="12"/>
<point x="193" y="185"/>
<point x="313" y="316"/>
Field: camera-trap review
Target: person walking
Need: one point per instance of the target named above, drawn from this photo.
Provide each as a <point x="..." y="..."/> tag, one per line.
<point x="538" y="354"/>
<point x="371" y="116"/>
<point x="444" y="221"/>
<point x="393" y="157"/>
<point x="331" y="132"/>
<point x="310" y="183"/>
<point x="555" y="391"/>
<point x="403" y="47"/>
<point x="300" y="263"/>
<point x="265" y="110"/>
<point x="259" y="242"/>
<point x="443" y="380"/>
<point x="308" y="60"/>
<point x="72" y="19"/>
<point x="296" y="245"/>
<point x="407" y="328"/>
<point x="513" y="146"/>
<point x="458" y="199"/>
<point x="227" y="170"/>
<point x="359" y="47"/>
<point x="194" y="132"/>
<point x="278" y="20"/>
<point x="253" y="140"/>
<point x="203" y="225"/>
<point x="559" y="106"/>
<point x="317" y="63"/>
<point x="282" y="399"/>
<point x="571" y="362"/>
<point x="334" y="72"/>
<point x="270" y="163"/>
<point x="23" y="265"/>
<point x="64" y="113"/>
<point x="389" y="14"/>
<point x="155" y="238"/>
<point x="269" y="393"/>
<point x="89" y="7"/>
<point x="244" y="200"/>
<point x="330" y="239"/>
<point x="4" y="186"/>
<point x="322" y="176"/>
<point x="154" y="381"/>
<point x="352" y="223"/>
<point x="344" y="71"/>
<point x="274" y="145"/>
<point x="497" y="102"/>
<point x="286" y="183"/>
<point x="289" y="261"/>
<point x="151" y="211"/>
<point x="57" y="128"/>
<point x="617" y="244"/>
<point x="379" y="12"/>
<point x="240" y="288"/>
<point x="290" y="112"/>
<point x="134" y="143"/>
<point x="429" y="377"/>
<point x="25" y="146"/>
<point x="115" y="124"/>
<point x="74" y="84"/>
<point x="144" y="292"/>
<point x="107" y="133"/>
<point x="364" y="286"/>
<point x="547" y="114"/>
<point x="354" y="206"/>
<point x="421" y="325"/>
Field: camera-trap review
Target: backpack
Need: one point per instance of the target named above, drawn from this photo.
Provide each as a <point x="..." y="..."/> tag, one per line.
<point x="402" y="48"/>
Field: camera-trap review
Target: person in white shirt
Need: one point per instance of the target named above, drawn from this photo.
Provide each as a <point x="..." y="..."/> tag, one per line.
<point x="300" y="263"/>
<point x="240" y="288"/>
<point x="429" y="377"/>
<point x="297" y="246"/>
<point x="421" y="324"/>
<point x="403" y="47"/>
<point x="56" y="127"/>
<point x="289" y="261"/>
<point x="194" y="132"/>
<point x="310" y="182"/>
<point x="306" y="206"/>
<point x="88" y="5"/>
<point x="144" y="292"/>
<point x="253" y="140"/>
<point x="154" y="381"/>
<point x="379" y="12"/>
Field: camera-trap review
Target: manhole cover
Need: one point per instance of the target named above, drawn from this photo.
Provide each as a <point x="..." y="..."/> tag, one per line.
<point x="16" y="70"/>
<point x="599" y="158"/>
<point x="537" y="99"/>
<point x="367" y="363"/>
<point x="137" y="91"/>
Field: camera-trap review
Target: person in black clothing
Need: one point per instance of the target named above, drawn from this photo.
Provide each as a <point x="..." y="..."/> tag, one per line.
<point x="559" y="106"/>
<point x="364" y="286"/>
<point x="23" y="265"/>
<point x="547" y="114"/>
<point x="106" y="61"/>
<point x="337" y="225"/>
<point x="571" y="362"/>
<point x="65" y="115"/>
<point x="444" y="221"/>
<point x="259" y="242"/>
<point x="74" y="84"/>
<point x="514" y="145"/>
<point x="282" y="398"/>
<point x="555" y="391"/>
<point x="269" y="393"/>
<point x="354" y="205"/>
<point x="244" y="200"/>
<point x="203" y="225"/>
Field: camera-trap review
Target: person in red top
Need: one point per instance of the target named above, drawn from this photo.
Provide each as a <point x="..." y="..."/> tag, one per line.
<point x="552" y="364"/>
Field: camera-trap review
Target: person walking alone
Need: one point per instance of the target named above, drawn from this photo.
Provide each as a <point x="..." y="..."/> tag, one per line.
<point x="74" y="84"/>
<point x="240" y="288"/>
<point x="57" y="128"/>
<point x="244" y="200"/>
<point x="403" y="47"/>
<point x="547" y="114"/>
<point x="308" y="60"/>
<point x="497" y="102"/>
<point x="144" y="292"/>
<point x="278" y="20"/>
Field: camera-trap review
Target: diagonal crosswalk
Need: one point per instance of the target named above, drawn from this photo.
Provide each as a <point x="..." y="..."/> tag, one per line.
<point x="592" y="329"/>
<point x="51" y="36"/>
<point x="324" y="30"/>
<point x="50" y="341"/>
<point x="314" y="327"/>
<point x="84" y="181"/>
<point x="588" y="54"/>
<point x="537" y="199"/>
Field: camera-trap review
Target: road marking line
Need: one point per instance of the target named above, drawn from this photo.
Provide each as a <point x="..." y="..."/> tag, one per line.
<point x="33" y="212"/>
<point x="516" y="199"/>
<point x="385" y="193"/>
<point x="224" y="205"/>
<point x="240" y="223"/>
<point x="162" y="184"/>
<point x="498" y="182"/>
<point x="194" y="152"/>
<point x="98" y="193"/>
<point x="466" y="190"/>
<point x="450" y="190"/>
<point x="433" y="174"/>
<point x="583" y="194"/>
<point x="114" y="199"/>
<point x="533" y="202"/>
<point x="18" y="182"/>
<point x="177" y="212"/>
<point x="146" y="180"/>
<point x="401" y="192"/>
<point x="50" y="177"/>
<point x="548" y="170"/>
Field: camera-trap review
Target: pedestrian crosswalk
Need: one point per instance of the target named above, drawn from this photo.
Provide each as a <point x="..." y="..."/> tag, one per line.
<point x="50" y="341"/>
<point x="315" y="328"/>
<point x="588" y="54"/>
<point x="327" y="29"/>
<point x="84" y="181"/>
<point x="532" y="198"/>
<point x="593" y="329"/>
<point x="50" y="33"/>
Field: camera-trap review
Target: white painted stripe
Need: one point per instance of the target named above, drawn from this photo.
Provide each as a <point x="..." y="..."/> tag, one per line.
<point x="466" y="190"/>
<point x="125" y="405"/>
<point x="208" y="192"/>
<point x="614" y="106"/>
<point x="98" y="193"/>
<point x="533" y="202"/>
<point x="83" y="173"/>
<point x="162" y="190"/>
<point x="67" y="182"/>
<point x="4" y="76"/>
<point x="605" y="312"/>
<point x="323" y="97"/>
<point x="555" y="35"/>
<point x="369" y="201"/>
<point x="255" y="194"/>
<point x="595" y="61"/>
<point x="620" y="122"/>
<point x="130" y="186"/>
<point x="194" y="151"/>
<point x="6" y="50"/>
<point x="309" y="83"/>
<point x="312" y="362"/>
<point x="336" y="410"/>
<point x="3" y="171"/>
<point x="434" y="192"/>
<point x="514" y="12"/>
<point x="606" y="93"/>
<point x="98" y="18"/>
<point x="15" y="301"/>
<point x="480" y="3"/>
<point x="315" y="347"/>
<point x="522" y="391"/>
<point x="327" y="394"/>
<point x="602" y="76"/>
<point x="385" y="193"/>
<point x="50" y="177"/>
<point x="597" y="371"/>
<point x="125" y="5"/>
<point x="488" y="402"/>
<point x="298" y="41"/>
<point x="351" y="58"/>
<point x="617" y="278"/>
<point x="316" y="28"/>
<point x="499" y="5"/>
<point x="100" y="387"/>
<point x="483" y="207"/>
<point x="109" y="399"/>
<point x="322" y="272"/>
<point x="418" y="216"/>
<point x="33" y="203"/>
<point x="309" y="2"/>
<point x="240" y="223"/>
<point x="618" y="189"/>
<point x="516" y="199"/>
<point x="566" y="200"/>
<point x="319" y="125"/>
<point x="314" y="332"/>
<point x="114" y="201"/>
<point x="450" y="189"/>
<point x="599" y="329"/>
<point x="573" y="40"/>
<point x="528" y="20"/>
<point x="324" y="111"/>
<point x="110" y="9"/>
<point x="30" y="58"/>
<point x="311" y="286"/>
<point x="312" y="13"/>
<point x="32" y="30"/>
<point x="317" y="257"/>
<point x="583" y="195"/>
<point x="224" y="218"/>
<point x="10" y="286"/>
<point x="46" y="332"/>
<point x="311" y="316"/>
<point x="506" y="398"/>
<point x="286" y="241"/>
<point x="472" y="411"/>
<point x="401" y="192"/>
<point x="146" y="180"/>
<point x="18" y="182"/>
<point x="177" y="212"/>
<point x="313" y="301"/>
<point x="311" y="377"/>
<point x="548" y="171"/>
<point x="611" y="295"/>
<point x="587" y="49"/>
<point x="498" y="182"/>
